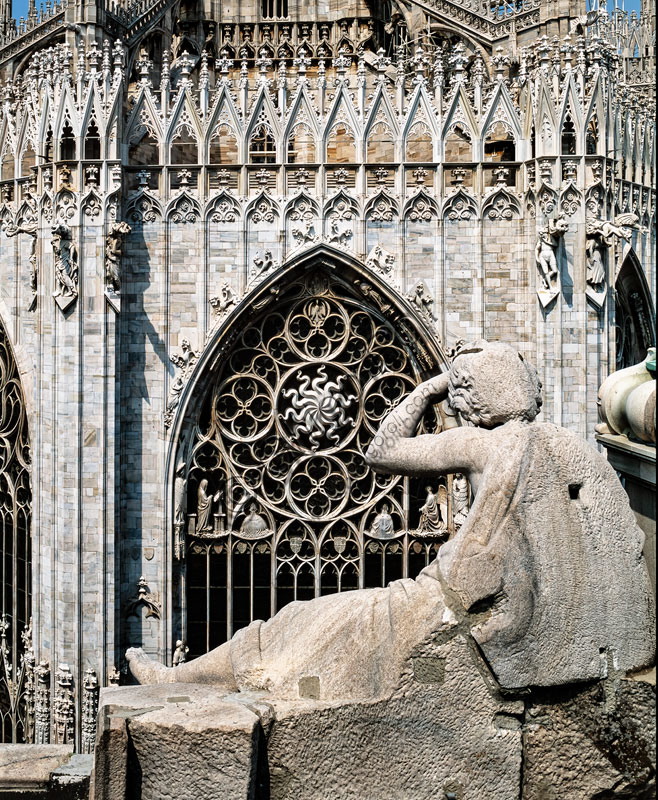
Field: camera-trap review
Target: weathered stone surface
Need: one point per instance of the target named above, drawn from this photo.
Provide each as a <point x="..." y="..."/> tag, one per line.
<point x="599" y="742"/>
<point x="550" y="544"/>
<point x="177" y="742"/>
<point x="24" y="766"/>
<point x="444" y="732"/>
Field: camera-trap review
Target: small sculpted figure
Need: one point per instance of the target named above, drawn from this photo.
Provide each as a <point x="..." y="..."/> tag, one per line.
<point x="595" y="269"/>
<point x="205" y="502"/>
<point x="433" y="512"/>
<point x="113" y="250"/>
<point x="550" y="547"/>
<point x="459" y="500"/>
<point x="547" y="244"/>
<point x="180" y="653"/>
<point x="382" y="526"/>
<point x="253" y="524"/>
<point x="66" y="262"/>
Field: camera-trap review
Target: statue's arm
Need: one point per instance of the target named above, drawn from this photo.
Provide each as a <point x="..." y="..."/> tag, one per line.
<point x="395" y="449"/>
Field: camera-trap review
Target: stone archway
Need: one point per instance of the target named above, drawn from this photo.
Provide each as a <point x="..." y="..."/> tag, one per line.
<point x="273" y="500"/>
<point x="634" y="314"/>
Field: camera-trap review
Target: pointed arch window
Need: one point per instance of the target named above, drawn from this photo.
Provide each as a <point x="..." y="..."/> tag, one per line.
<point x="144" y="149"/>
<point x="499" y="144"/>
<point x="568" y="138"/>
<point x="8" y="164"/>
<point x="15" y="543"/>
<point x="381" y="144"/>
<point x="273" y="501"/>
<point x="67" y="143"/>
<point x="92" y="142"/>
<point x="301" y="145"/>
<point x="635" y="328"/>
<point x="341" y="148"/>
<point x="262" y="148"/>
<point x="592" y="137"/>
<point x="419" y="143"/>
<point x="458" y="145"/>
<point x="48" y="146"/>
<point x="184" y="146"/>
<point x="28" y="160"/>
<point x="223" y="146"/>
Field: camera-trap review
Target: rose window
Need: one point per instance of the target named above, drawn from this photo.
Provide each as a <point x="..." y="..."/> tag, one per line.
<point x="280" y="444"/>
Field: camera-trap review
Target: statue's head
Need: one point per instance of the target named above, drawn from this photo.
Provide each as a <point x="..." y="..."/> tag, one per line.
<point x="491" y="383"/>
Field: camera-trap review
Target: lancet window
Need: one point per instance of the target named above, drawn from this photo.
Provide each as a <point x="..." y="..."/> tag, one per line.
<point x="223" y="147"/>
<point x="499" y="144"/>
<point x="184" y="147"/>
<point x="458" y="145"/>
<point x="301" y="146"/>
<point x="568" y="140"/>
<point x="262" y="148"/>
<point x="275" y="501"/>
<point x="67" y="143"/>
<point x="92" y="141"/>
<point x="419" y="143"/>
<point x="15" y="543"/>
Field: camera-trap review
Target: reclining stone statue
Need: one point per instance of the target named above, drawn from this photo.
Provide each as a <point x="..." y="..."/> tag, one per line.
<point x="547" y="567"/>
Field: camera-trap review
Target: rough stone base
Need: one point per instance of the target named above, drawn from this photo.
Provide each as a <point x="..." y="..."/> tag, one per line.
<point x="447" y="736"/>
<point x="43" y="772"/>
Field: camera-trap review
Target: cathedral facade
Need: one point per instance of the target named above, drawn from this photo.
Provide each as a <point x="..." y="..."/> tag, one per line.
<point x="232" y="238"/>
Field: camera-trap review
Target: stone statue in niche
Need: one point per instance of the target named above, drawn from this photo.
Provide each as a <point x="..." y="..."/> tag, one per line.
<point x="550" y="535"/>
<point x="113" y="250"/>
<point x="205" y="502"/>
<point x="30" y="227"/>
<point x="459" y="500"/>
<point x="595" y="268"/>
<point x="434" y="513"/>
<point x="548" y="240"/>
<point x="383" y="526"/>
<point x="66" y="266"/>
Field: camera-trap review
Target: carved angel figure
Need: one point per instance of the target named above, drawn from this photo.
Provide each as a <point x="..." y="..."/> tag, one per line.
<point x="547" y="244"/>
<point x="66" y="262"/>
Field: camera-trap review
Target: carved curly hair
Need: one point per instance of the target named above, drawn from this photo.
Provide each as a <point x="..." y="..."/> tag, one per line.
<point x="491" y="383"/>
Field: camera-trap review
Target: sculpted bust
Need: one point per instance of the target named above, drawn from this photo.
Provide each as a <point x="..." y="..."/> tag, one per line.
<point x="549" y="556"/>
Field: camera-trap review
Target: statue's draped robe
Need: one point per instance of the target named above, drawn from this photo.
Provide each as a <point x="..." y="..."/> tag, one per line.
<point x="550" y="543"/>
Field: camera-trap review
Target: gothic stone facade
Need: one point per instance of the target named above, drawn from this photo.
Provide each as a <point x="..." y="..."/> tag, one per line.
<point x="232" y="237"/>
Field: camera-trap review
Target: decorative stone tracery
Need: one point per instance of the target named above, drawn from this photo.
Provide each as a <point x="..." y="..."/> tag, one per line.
<point x="278" y="452"/>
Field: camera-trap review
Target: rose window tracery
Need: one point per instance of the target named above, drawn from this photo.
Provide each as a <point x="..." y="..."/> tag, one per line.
<point x="288" y="419"/>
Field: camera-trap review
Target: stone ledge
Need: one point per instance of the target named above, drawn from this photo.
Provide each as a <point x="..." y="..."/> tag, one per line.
<point x="44" y="772"/>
